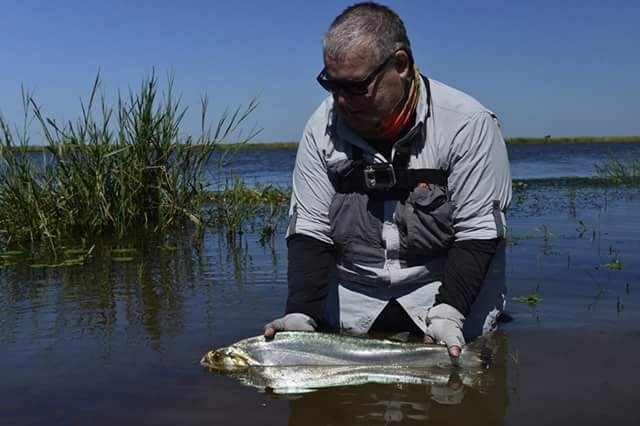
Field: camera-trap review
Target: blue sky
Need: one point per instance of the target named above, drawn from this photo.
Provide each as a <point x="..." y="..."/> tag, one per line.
<point x="545" y="67"/>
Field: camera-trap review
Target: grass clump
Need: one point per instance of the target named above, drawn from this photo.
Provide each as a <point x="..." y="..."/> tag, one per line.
<point x="618" y="171"/>
<point x="114" y="170"/>
<point x="615" y="264"/>
<point x="530" y="299"/>
<point x="238" y="206"/>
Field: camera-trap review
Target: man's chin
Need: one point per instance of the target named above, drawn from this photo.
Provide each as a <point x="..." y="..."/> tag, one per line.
<point x="365" y="129"/>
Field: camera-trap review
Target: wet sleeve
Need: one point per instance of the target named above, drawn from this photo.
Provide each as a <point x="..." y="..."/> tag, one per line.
<point x="464" y="272"/>
<point x="310" y="263"/>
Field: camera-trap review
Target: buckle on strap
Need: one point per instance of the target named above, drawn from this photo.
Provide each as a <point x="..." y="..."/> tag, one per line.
<point x="379" y="176"/>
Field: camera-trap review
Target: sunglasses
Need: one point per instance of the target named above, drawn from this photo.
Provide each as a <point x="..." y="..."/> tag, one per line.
<point x="352" y="87"/>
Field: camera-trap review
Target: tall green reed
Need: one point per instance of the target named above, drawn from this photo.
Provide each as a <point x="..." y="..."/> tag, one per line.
<point x="112" y="171"/>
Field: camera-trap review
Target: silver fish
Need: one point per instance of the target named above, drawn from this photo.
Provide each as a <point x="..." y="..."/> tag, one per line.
<point x="296" y="362"/>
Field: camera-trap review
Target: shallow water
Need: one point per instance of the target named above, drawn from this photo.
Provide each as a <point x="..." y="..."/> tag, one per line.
<point x="119" y="343"/>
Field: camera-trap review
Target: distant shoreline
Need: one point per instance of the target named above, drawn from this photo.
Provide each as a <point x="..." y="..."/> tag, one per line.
<point x="560" y="140"/>
<point x="573" y="139"/>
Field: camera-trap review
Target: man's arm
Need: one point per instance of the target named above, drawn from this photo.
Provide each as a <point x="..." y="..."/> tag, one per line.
<point x="480" y="184"/>
<point x="464" y="272"/>
<point x="310" y="262"/>
<point x="310" y="248"/>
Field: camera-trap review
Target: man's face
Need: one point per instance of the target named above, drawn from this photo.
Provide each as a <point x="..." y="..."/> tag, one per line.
<point x="364" y="112"/>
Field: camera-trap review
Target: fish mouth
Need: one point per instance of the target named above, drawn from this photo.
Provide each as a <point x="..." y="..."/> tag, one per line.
<point x="205" y="362"/>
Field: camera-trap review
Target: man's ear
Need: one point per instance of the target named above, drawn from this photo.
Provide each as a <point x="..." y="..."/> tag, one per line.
<point x="402" y="63"/>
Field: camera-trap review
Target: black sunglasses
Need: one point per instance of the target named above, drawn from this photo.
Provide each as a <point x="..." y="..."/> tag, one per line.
<point x="353" y="87"/>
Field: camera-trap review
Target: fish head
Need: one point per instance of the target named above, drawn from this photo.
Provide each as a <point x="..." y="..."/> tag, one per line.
<point x="226" y="359"/>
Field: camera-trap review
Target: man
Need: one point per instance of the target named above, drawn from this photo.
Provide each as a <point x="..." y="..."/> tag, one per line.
<point x="399" y="192"/>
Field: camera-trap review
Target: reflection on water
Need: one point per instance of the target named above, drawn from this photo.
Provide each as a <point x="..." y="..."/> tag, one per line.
<point x="119" y="342"/>
<point x="446" y="403"/>
<point x="405" y="404"/>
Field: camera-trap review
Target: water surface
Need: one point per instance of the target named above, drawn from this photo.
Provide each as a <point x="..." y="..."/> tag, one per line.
<point x="119" y="343"/>
<point x="528" y="161"/>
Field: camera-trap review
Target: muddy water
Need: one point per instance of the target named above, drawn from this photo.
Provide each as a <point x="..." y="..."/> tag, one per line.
<point x="119" y="343"/>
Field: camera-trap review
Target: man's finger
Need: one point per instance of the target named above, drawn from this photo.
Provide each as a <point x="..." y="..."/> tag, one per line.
<point x="273" y="327"/>
<point x="454" y="351"/>
<point x="269" y="331"/>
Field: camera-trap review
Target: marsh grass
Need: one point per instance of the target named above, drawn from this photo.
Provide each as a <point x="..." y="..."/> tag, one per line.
<point x="619" y="171"/>
<point x="237" y="208"/>
<point x="114" y="170"/>
<point x="614" y="264"/>
<point x="530" y="299"/>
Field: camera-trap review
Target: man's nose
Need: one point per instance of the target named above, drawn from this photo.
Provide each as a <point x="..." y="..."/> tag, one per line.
<point x="342" y="98"/>
<point x="339" y="98"/>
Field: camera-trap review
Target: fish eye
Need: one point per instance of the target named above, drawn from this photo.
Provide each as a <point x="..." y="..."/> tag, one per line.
<point x="214" y="357"/>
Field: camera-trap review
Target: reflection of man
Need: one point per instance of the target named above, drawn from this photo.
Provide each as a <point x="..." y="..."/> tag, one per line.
<point x="406" y="404"/>
<point x="399" y="187"/>
<point x="448" y="403"/>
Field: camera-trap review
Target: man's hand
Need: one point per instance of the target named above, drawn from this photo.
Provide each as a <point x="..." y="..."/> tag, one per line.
<point x="444" y="325"/>
<point x="290" y="322"/>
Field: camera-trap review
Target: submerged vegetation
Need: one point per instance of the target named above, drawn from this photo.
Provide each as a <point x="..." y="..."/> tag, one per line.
<point x="117" y="170"/>
<point x="530" y="299"/>
<point x="615" y="264"/>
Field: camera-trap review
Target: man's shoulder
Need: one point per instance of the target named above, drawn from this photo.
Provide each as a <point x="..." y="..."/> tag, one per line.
<point x="321" y="119"/>
<point x="320" y="129"/>
<point x="448" y="100"/>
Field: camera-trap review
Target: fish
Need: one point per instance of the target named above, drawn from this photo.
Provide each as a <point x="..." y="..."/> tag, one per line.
<point x="298" y="362"/>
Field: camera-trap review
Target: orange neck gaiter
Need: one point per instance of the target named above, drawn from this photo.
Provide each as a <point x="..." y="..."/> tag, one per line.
<point x="394" y="123"/>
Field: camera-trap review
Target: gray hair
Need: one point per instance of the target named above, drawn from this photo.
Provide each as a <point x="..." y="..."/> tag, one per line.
<point x="368" y="25"/>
